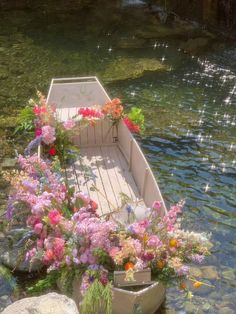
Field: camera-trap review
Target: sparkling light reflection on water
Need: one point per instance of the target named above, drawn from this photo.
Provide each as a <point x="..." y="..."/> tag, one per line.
<point x="190" y="115"/>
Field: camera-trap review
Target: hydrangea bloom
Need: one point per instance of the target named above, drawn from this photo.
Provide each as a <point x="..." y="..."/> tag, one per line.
<point x="48" y="134"/>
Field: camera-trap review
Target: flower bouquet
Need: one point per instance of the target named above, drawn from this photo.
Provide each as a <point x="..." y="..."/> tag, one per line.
<point x="83" y="251"/>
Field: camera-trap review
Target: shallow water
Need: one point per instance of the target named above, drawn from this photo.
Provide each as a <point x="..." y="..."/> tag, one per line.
<point x="190" y="113"/>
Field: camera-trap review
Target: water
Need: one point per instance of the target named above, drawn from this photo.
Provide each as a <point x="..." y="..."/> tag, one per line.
<point x="190" y="113"/>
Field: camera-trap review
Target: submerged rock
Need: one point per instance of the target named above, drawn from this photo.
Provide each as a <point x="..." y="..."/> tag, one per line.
<point x="132" y="68"/>
<point x="195" y="45"/>
<point x="45" y="304"/>
<point x="7" y="285"/>
<point x="13" y="255"/>
<point x="205" y="272"/>
<point x="15" y="260"/>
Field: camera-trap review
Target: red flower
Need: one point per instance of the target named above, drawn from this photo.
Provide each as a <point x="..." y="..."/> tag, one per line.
<point x="131" y="125"/>
<point x="93" y="205"/>
<point x="52" y="151"/>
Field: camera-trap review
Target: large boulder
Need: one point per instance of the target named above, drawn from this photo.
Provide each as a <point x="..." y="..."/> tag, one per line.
<point x="132" y="68"/>
<point x="45" y="304"/>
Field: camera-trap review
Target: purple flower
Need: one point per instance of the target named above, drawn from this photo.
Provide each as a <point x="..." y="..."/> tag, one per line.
<point x="10" y="207"/>
<point x="147" y="256"/>
<point x="33" y="144"/>
<point x="197" y="258"/>
<point x="68" y="260"/>
<point x="129" y="209"/>
<point x="183" y="270"/>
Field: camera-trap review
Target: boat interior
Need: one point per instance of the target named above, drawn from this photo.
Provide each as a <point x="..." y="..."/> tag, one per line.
<point x="111" y="167"/>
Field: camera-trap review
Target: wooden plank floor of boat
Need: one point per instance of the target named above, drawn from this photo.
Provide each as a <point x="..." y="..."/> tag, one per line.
<point x="103" y="173"/>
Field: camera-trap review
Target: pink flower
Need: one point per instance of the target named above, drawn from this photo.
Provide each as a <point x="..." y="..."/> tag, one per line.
<point x="38" y="228"/>
<point x="38" y="132"/>
<point x="30" y="254"/>
<point x="39" y="243"/>
<point x="48" y="134"/>
<point x="154" y="241"/>
<point x="113" y="251"/>
<point x="48" y="257"/>
<point x="59" y="248"/>
<point x="156" y="205"/>
<point x="54" y="216"/>
<point x="69" y="124"/>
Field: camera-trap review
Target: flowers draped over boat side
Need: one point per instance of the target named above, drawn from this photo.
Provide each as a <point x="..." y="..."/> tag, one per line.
<point x="56" y="137"/>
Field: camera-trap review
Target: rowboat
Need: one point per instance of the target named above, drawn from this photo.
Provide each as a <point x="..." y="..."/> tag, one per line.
<point x="110" y="165"/>
<point x="110" y="151"/>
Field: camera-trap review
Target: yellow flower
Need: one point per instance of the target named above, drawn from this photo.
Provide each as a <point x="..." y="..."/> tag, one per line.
<point x="197" y="284"/>
<point x="160" y="264"/>
<point x="145" y="237"/>
<point x="173" y="243"/>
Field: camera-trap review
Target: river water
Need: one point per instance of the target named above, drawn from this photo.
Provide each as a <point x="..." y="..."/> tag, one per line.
<point x="190" y="111"/>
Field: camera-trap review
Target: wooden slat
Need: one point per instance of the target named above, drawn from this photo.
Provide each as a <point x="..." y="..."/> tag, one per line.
<point x="91" y="135"/>
<point x="107" y="131"/>
<point x="106" y="177"/>
<point x="80" y="178"/>
<point x="127" y="174"/>
<point x="98" y="132"/>
<point x="90" y="160"/>
<point x="119" y="183"/>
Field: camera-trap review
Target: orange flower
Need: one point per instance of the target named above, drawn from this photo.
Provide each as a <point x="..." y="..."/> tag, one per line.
<point x="114" y="108"/>
<point x="160" y="264"/>
<point x="129" y="265"/>
<point x="173" y="243"/>
<point x="197" y="284"/>
<point x="183" y="285"/>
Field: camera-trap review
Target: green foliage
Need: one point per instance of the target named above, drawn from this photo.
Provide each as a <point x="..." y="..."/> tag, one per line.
<point x="7" y="276"/>
<point x="136" y="115"/>
<point x="103" y="258"/>
<point x="67" y="275"/>
<point x="97" y="297"/>
<point x="66" y="150"/>
<point x="25" y="120"/>
<point x="46" y="283"/>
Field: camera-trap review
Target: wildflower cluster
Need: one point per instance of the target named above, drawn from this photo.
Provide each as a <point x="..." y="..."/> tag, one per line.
<point x="69" y="234"/>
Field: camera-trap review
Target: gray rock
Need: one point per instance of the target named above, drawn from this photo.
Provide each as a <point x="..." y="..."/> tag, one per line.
<point x="205" y="272"/>
<point x="5" y="300"/>
<point x="46" y="304"/>
<point x="14" y="259"/>
<point x="228" y="273"/>
<point x="226" y="310"/>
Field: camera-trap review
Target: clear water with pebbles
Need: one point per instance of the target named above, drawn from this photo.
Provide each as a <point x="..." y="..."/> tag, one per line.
<point x="190" y="113"/>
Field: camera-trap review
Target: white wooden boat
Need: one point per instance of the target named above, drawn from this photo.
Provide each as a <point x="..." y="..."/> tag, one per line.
<point x="119" y="168"/>
<point x="111" y="152"/>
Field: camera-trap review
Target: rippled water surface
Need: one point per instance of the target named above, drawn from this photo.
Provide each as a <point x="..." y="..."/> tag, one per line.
<point x="190" y="115"/>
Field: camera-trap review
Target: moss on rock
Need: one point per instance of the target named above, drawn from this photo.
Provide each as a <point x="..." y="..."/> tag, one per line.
<point x="132" y="68"/>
